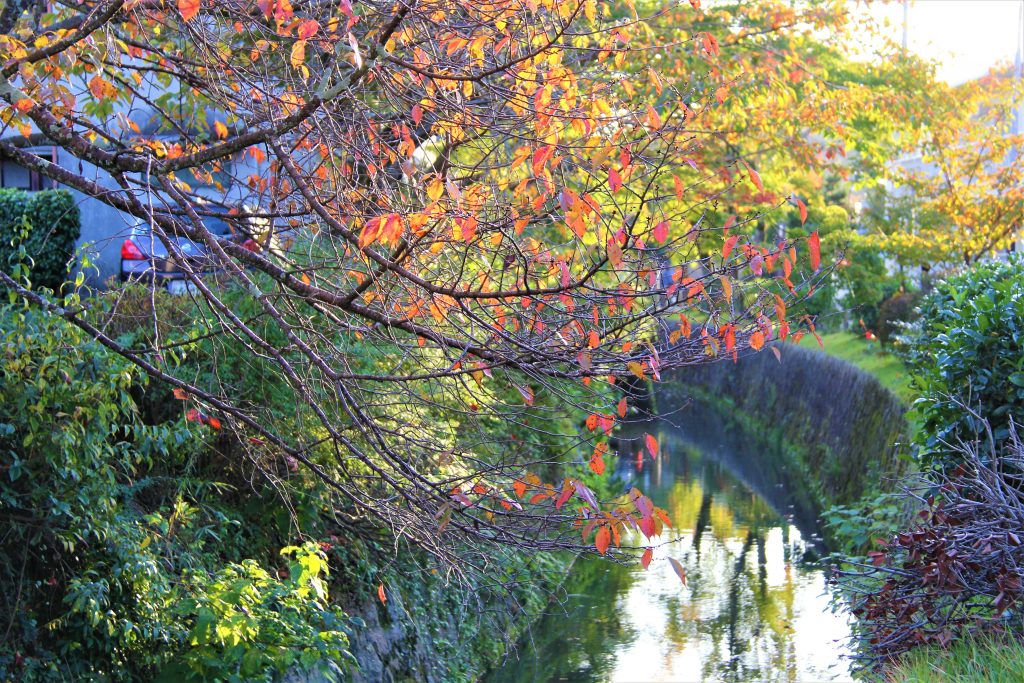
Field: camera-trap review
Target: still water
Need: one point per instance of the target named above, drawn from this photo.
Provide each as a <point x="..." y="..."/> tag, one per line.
<point x="755" y="606"/>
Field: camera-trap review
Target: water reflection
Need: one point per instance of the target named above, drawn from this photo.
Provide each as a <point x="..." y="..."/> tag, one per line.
<point x="752" y="610"/>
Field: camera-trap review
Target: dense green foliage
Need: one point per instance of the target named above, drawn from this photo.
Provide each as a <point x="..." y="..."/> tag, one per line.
<point x="118" y="558"/>
<point x="45" y="225"/>
<point x="140" y="544"/>
<point x="969" y="353"/>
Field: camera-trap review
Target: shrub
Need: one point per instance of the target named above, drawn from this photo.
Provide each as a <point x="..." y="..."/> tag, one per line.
<point x="970" y="351"/>
<point x="901" y="307"/>
<point x="958" y="571"/>
<point x="117" y="557"/>
<point x="50" y="223"/>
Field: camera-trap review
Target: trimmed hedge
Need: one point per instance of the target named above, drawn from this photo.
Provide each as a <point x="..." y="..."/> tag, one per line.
<point x="53" y="224"/>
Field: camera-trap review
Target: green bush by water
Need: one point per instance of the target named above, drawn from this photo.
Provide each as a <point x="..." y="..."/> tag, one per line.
<point x="969" y="351"/>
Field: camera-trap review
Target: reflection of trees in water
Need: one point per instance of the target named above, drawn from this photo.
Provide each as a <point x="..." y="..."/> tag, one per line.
<point x="576" y="641"/>
<point x="733" y="608"/>
<point x="738" y="552"/>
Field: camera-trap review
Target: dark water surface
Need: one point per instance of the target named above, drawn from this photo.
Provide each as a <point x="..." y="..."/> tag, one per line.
<point x="755" y="606"/>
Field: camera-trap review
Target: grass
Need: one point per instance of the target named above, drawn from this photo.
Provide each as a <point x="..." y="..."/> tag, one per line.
<point x="980" y="658"/>
<point x="869" y="357"/>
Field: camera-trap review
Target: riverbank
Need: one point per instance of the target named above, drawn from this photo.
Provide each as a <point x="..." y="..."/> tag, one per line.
<point x="833" y="421"/>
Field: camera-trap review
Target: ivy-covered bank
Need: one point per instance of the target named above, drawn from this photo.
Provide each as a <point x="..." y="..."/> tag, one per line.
<point x="835" y="425"/>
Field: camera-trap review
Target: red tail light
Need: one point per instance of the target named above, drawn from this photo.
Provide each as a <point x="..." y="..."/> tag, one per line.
<point x="130" y="252"/>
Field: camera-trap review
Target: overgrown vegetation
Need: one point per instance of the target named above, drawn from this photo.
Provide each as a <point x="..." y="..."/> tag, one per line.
<point x="39" y="229"/>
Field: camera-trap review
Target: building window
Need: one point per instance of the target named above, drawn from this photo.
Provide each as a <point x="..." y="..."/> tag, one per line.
<point x="13" y="174"/>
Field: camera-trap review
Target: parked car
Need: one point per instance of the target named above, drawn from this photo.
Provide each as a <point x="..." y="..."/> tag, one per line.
<point x="145" y="257"/>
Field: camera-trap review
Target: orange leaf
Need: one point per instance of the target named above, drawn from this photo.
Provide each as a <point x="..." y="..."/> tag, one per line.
<point x="221" y="130"/>
<point x="622" y="408"/>
<point x="814" y="244"/>
<point x="803" y="211"/>
<point x="592" y="422"/>
<point x="678" y="186"/>
<point x="213" y="422"/>
<point x="645" y="559"/>
<point x="181" y="394"/>
<point x="755" y="178"/>
<point x="597" y="459"/>
<point x="678" y="567"/>
<point x="757" y="340"/>
<point x="652" y="445"/>
<point x="380" y="594"/>
<point x="188" y="8"/>
<point x="602" y="539"/>
<point x="519" y="487"/>
<point x="653" y="120"/>
<point x="727" y="247"/>
<point x="23" y="105"/>
<point x="594" y="339"/>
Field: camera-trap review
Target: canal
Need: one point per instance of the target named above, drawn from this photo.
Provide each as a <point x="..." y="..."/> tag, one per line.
<point x="755" y="606"/>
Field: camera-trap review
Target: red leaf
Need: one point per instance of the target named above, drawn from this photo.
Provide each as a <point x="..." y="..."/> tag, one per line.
<point x="652" y="445"/>
<point x="308" y="29"/>
<point x="417" y="114"/>
<point x="194" y="415"/>
<point x="614" y="180"/>
<point x="567" y="491"/>
<point x="602" y="539"/>
<point x="188" y="8"/>
<point x="621" y="409"/>
<point x="803" y="211"/>
<point x="814" y="244"/>
<point x="680" y="572"/>
<point x="727" y="247"/>
<point x="679" y="187"/>
<point x="645" y="559"/>
<point x="540" y="158"/>
<point x="213" y="422"/>
<point x="380" y="594"/>
<point x="661" y="231"/>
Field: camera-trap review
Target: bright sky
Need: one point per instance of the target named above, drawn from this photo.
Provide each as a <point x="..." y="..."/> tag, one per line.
<point x="966" y="36"/>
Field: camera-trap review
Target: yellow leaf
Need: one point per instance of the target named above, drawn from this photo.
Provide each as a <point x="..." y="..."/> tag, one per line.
<point x="298" y="54"/>
<point x="435" y="188"/>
